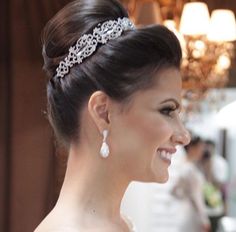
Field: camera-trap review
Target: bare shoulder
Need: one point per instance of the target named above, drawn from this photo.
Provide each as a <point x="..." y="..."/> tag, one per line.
<point x="51" y="225"/>
<point x="47" y="227"/>
<point x="59" y="227"/>
<point x="66" y="229"/>
<point x="58" y="230"/>
<point x="54" y="223"/>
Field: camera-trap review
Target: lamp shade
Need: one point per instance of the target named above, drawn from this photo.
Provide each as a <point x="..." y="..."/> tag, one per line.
<point x="195" y="19"/>
<point x="147" y="12"/>
<point x="222" y="26"/>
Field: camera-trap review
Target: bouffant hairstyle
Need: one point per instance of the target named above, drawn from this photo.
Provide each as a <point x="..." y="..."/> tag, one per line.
<point x="118" y="68"/>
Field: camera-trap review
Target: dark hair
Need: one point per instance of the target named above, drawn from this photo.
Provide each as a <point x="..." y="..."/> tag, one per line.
<point x="208" y="152"/>
<point x="210" y="142"/>
<point x="206" y="155"/>
<point x="119" y="68"/>
<point x="195" y="140"/>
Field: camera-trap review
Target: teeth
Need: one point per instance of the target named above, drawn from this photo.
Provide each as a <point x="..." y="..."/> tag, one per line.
<point x="169" y="156"/>
<point x="165" y="155"/>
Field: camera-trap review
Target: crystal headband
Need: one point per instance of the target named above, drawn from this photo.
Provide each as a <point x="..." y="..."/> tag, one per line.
<point x="87" y="44"/>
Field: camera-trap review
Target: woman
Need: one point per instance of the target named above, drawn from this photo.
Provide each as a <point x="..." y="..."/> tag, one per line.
<point x="113" y="101"/>
<point x="189" y="189"/>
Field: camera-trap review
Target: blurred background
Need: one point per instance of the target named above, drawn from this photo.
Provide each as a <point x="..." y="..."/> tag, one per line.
<point x="32" y="169"/>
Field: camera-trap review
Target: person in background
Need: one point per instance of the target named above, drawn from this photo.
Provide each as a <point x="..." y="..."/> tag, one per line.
<point x="214" y="168"/>
<point x="189" y="190"/>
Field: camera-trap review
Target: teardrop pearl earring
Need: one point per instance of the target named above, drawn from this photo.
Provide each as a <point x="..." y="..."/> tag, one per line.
<point x="104" y="151"/>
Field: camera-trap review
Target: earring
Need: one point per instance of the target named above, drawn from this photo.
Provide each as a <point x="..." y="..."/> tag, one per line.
<point x="104" y="151"/>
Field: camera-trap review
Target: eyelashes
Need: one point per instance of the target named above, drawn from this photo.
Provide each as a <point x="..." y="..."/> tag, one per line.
<point x="168" y="110"/>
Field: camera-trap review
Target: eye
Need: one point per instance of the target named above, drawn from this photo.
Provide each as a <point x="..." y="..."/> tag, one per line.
<point x="168" y="110"/>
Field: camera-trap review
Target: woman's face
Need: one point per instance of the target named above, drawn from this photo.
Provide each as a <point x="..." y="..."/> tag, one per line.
<point x="142" y="139"/>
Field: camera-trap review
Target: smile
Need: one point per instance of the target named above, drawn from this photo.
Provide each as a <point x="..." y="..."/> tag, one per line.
<point x="165" y="154"/>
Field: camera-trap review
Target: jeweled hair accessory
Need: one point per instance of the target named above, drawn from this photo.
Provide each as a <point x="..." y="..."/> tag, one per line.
<point x="87" y="44"/>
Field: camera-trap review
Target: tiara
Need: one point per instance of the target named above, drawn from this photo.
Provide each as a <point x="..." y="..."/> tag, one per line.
<point x="87" y="44"/>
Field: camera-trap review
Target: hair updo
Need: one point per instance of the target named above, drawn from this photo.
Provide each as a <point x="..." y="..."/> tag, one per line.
<point x="119" y="68"/>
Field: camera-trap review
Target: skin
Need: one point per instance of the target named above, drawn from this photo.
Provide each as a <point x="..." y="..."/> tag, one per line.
<point x="93" y="187"/>
<point x="195" y="152"/>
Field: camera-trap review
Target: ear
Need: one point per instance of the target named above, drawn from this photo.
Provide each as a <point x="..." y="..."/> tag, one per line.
<point x="98" y="107"/>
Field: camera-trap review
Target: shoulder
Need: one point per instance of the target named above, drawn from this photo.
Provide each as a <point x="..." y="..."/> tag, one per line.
<point x="59" y="229"/>
<point x="55" y="230"/>
<point x="54" y="223"/>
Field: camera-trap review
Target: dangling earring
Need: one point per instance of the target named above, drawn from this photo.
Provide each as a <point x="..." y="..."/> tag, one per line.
<point x="104" y="151"/>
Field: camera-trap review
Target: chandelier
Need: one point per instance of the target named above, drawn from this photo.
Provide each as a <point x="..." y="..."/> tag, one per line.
<point x="207" y="42"/>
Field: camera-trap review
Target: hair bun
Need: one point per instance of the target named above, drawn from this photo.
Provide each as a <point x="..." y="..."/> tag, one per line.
<point x="70" y="23"/>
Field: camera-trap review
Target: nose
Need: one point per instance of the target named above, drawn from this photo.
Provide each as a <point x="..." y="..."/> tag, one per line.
<point x="181" y="136"/>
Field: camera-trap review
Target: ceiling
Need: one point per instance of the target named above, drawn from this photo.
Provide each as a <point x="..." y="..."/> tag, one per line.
<point x="25" y="19"/>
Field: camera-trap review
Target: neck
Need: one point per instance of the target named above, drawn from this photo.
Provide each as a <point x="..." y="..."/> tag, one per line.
<point x="92" y="187"/>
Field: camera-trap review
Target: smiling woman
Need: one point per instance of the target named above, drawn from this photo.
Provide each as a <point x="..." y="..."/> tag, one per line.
<point x="113" y="102"/>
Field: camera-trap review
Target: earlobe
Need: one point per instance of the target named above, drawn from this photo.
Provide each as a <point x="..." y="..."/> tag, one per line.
<point x="98" y="107"/>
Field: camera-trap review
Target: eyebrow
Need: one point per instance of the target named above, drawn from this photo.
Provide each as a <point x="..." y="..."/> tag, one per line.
<point x="173" y="100"/>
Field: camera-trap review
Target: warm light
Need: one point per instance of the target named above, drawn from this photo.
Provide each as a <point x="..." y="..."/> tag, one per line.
<point x="147" y="12"/>
<point x="195" y="19"/>
<point x="171" y="25"/>
<point x="205" y="62"/>
<point x="222" y="26"/>
<point x="199" y="49"/>
<point x="224" y="62"/>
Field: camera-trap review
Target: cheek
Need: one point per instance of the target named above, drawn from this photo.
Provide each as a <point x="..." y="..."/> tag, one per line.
<point x="164" y="131"/>
<point x="143" y="133"/>
<point x="156" y="129"/>
<point x="134" y="141"/>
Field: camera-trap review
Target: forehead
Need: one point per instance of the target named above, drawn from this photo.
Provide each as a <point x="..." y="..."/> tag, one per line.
<point x="169" y="78"/>
<point x="166" y="84"/>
